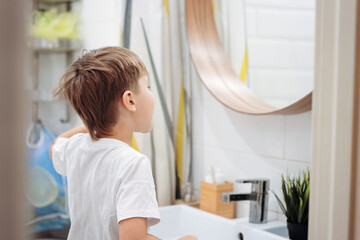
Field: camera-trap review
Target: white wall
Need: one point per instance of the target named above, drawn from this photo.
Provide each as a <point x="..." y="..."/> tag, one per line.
<point x="281" y="48"/>
<point x="246" y="146"/>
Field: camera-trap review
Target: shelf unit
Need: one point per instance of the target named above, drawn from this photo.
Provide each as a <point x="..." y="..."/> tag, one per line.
<point x="43" y="46"/>
<point x="58" y="46"/>
<point x="58" y="1"/>
<point x="39" y="45"/>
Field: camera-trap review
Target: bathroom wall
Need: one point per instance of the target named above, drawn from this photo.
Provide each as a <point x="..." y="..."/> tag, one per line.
<point x="245" y="146"/>
<point x="242" y="146"/>
<point x="281" y="48"/>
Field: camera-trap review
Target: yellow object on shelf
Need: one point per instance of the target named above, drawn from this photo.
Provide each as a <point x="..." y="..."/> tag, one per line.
<point x="52" y="25"/>
<point x="210" y="199"/>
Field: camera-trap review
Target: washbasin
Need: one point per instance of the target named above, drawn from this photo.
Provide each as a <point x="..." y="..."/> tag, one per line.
<point x="180" y="220"/>
<point x="281" y="231"/>
<point x="271" y="231"/>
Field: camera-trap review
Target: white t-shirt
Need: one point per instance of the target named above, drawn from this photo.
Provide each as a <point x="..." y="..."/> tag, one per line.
<point x="108" y="181"/>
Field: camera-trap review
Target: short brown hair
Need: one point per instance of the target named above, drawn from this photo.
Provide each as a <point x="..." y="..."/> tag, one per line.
<point x="94" y="83"/>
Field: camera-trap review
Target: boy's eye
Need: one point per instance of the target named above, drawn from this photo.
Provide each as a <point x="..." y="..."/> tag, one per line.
<point x="149" y="87"/>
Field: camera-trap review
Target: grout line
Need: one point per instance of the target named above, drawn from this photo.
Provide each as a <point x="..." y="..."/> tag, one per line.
<point x="287" y="39"/>
<point x="289" y="70"/>
<point x="284" y="150"/>
<point x="280" y="8"/>
<point x="275" y="211"/>
<point x="251" y="153"/>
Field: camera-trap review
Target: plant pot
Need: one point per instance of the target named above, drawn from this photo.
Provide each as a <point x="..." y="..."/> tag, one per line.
<point x="297" y="231"/>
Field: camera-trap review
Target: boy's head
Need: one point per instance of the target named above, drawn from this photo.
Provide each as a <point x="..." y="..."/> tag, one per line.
<point x="106" y="84"/>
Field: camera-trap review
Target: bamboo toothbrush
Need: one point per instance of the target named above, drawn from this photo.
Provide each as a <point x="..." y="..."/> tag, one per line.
<point x="213" y="174"/>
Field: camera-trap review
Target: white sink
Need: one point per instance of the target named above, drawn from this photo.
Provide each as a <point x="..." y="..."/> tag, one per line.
<point x="280" y="231"/>
<point x="180" y="220"/>
<point x="271" y="231"/>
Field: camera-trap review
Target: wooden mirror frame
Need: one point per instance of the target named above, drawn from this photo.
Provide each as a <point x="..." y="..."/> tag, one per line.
<point x="215" y="70"/>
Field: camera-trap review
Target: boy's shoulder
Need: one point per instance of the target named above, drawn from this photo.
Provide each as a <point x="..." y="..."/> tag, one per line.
<point x="117" y="148"/>
<point x="122" y="150"/>
<point x="131" y="158"/>
<point x="76" y="137"/>
<point x="134" y="156"/>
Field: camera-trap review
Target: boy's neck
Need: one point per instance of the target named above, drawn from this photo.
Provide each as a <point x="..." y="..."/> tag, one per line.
<point x="121" y="132"/>
<point x="126" y="138"/>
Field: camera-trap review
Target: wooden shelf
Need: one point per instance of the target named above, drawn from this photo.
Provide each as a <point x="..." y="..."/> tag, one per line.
<point x="58" y="46"/>
<point x="57" y="1"/>
<point x="40" y="95"/>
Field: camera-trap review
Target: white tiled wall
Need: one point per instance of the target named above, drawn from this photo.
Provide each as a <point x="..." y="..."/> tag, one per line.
<point x="245" y="146"/>
<point x="281" y="45"/>
<point x="281" y="48"/>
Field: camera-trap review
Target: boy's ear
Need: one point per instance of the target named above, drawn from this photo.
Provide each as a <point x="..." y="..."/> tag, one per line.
<point x="128" y="100"/>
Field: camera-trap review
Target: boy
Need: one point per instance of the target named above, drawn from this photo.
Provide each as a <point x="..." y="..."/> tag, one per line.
<point x="110" y="185"/>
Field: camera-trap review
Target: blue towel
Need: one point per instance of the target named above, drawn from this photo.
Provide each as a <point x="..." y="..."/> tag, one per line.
<point x="46" y="194"/>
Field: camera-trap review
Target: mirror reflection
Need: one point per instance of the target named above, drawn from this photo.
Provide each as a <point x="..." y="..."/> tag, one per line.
<point x="270" y="45"/>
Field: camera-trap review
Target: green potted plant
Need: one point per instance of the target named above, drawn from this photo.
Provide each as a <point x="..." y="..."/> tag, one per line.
<point x="296" y="204"/>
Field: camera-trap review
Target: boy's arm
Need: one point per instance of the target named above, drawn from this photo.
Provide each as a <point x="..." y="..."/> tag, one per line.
<point x="134" y="229"/>
<point x="68" y="134"/>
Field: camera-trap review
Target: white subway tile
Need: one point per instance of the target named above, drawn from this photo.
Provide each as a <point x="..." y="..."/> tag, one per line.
<point x="304" y="55"/>
<point x="298" y="137"/>
<point x="217" y="126"/>
<point x="281" y="217"/>
<point x="285" y="23"/>
<point x="303" y="25"/>
<point x="274" y="23"/>
<point x="281" y="84"/>
<point x="304" y="4"/>
<point x="274" y="215"/>
<point x="270" y="53"/>
<point x="198" y="166"/>
<point x="251" y="21"/>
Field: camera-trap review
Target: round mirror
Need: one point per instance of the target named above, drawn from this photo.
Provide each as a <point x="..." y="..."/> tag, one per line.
<point x="270" y="45"/>
<point x="254" y="56"/>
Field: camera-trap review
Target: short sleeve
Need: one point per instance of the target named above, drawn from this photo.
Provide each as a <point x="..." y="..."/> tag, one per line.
<point x="59" y="152"/>
<point x="136" y="195"/>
